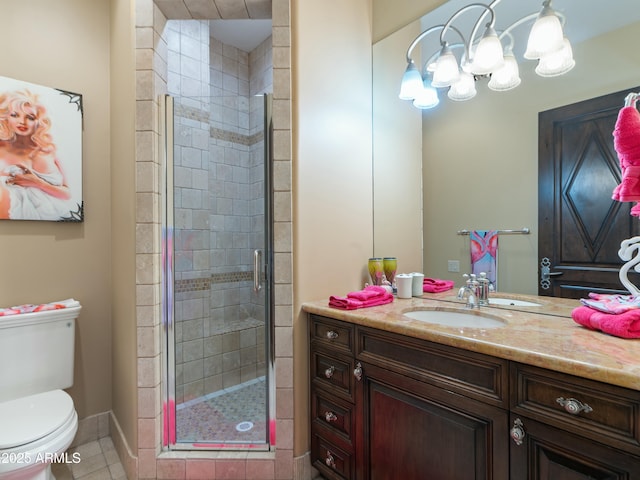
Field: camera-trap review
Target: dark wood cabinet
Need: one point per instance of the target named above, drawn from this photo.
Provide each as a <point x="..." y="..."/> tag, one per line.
<point x="550" y="453"/>
<point x="414" y="430"/>
<point x="386" y="406"/>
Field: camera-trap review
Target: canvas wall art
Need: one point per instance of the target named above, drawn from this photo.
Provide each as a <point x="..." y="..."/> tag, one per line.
<point x="40" y="153"/>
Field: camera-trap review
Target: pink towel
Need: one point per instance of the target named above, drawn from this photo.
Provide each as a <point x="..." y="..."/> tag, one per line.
<point x="626" y="135"/>
<point x="435" y="285"/>
<point x="625" y="325"/>
<point x="367" y="293"/>
<point x="626" y="141"/>
<point x="484" y="254"/>
<point x="629" y="188"/>
<point x="368" y="297"/>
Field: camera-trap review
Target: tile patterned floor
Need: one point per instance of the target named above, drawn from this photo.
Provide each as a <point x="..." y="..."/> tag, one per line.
<point x="235" y="415"/>
<point x="97" y="460"/>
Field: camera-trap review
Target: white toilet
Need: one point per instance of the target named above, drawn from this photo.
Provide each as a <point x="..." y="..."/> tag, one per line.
<point x="37" y="418"/>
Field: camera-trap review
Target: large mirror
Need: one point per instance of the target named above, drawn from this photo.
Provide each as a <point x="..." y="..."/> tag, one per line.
<point x="474" y="164"/>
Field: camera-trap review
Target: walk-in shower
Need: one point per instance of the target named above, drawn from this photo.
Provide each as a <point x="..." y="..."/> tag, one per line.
<point x="217" y="249"/>
<point x="217" y="288"/>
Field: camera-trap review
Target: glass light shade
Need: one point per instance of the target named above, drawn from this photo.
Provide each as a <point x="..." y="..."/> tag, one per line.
<point x="411" y="83"/>
<point x="463" y="89"/>
<point x="546" y="35"/>
<point x="556" y="63"/>
<point x="488" y="55"/>
<point x="506" y="77"/>
<point x="447" y="71"/>
<point x="427" y="98"/>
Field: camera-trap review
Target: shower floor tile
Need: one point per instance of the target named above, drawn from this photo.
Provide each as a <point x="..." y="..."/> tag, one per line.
<point x="234" y="415"/>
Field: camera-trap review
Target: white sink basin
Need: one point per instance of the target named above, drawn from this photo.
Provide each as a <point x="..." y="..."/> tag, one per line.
<point x="455" y="319"/>
<point x="512" y="302"/>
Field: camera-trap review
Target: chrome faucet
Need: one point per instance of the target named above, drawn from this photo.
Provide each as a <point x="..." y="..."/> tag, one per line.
<point x="471" y="291"/>
<point x="484" y="287"/>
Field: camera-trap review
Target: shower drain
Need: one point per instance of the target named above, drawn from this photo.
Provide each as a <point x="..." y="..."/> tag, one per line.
<point x="244" y="426"/>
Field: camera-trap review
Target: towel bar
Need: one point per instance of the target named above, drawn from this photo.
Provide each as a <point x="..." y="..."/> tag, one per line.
<point x="522" y="231"/>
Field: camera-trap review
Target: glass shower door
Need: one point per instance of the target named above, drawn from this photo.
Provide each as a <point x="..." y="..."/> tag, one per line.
<point x="217" y="288"/>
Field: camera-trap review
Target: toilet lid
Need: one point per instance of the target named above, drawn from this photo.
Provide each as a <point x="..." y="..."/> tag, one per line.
<point x="27" y="419"/>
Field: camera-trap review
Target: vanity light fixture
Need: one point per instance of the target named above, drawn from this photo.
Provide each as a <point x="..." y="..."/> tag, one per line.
<point x="485" y="57"/>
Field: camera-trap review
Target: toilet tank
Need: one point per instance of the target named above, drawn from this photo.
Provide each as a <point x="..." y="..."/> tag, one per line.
<point x="36" y="352"/>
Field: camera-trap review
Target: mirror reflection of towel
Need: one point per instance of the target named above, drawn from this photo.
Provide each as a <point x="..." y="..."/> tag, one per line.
<point x="484" y="254"/>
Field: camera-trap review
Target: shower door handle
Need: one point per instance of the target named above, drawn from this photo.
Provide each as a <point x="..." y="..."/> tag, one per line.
<point x="257" y="269"/>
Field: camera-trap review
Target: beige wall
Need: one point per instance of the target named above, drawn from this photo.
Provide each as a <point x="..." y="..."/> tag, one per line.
<point x="123" y="203"/>
<point x="481" y="158"/>
<point x="390" y="15"/>
<point x="65" y="44"/>
<point x="332" y="170"/>
<point x="397" y="181"/>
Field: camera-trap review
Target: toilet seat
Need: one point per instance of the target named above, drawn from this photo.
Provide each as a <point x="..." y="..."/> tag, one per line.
<point x="36" y="426"/>
<point x="28" y="419"/>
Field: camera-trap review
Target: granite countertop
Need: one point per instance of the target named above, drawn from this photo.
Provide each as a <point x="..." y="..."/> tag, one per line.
<point x="543" y="336"/>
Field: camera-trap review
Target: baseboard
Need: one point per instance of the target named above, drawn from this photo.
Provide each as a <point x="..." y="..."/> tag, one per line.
<point x="91" y="429"/>
<point x="302" y="468"/>
<point x="127" y="458"/>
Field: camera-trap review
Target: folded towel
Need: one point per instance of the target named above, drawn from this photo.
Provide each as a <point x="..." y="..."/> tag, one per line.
<point x="435" y="285"/>
<point x="625" y="325"/>
<point x="29" y="308"/>
<point x="368" y="297"/>
<point x="608" y="303"/>
<point x="367" y="293"/>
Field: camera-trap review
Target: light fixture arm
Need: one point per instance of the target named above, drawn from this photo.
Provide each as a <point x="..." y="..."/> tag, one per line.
<point x="425" y="33"/>
<point x="476" y="27"/>
<point x="467" y="43"/>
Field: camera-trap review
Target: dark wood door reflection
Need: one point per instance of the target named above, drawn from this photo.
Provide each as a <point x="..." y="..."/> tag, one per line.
<point x="580" y="226"/>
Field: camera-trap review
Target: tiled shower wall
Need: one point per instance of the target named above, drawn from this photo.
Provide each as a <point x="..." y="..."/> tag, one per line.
<point x="219" y="207"/>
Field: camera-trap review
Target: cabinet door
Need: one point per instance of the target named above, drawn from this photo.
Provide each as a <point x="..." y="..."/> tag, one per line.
<point x="547" y="453"/>
<point x="413" y="430"/>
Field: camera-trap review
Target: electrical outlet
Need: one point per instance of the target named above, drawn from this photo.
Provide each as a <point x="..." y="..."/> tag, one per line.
<point x="453" y="265"/>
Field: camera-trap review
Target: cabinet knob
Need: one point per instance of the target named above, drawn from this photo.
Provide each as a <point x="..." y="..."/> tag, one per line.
<point x="330" y="461"/>
<point x="330" y="416"/>
<point x="357" y="372"/>
<point x="517" y="432"/>
<point x="329" y="371"/>
<point x="574" y="406"/>
<point x="331" y="335"/>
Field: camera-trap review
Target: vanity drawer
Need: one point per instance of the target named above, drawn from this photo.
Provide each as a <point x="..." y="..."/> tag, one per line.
<point x="333" y="374"/>
<point x="332" y="414"/>
<point x="602" y="412"/>
<point x="332" y="333"/>
<point x="471" y="374"/>
<point x="331" y="460"/>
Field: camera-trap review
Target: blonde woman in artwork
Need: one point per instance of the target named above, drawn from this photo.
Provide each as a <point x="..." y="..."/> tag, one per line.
<point x="32" y="183"/>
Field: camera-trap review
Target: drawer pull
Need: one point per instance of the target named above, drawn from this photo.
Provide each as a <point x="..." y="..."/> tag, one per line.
<point x="329" y="371"/>
<point x="574" y="406"/>
<point x="330" y="461"/>
<point x="330" y="417"/>
<point x="331" y="335"/>
<point x="517" y="432"/>
<point x="357" y="372"/>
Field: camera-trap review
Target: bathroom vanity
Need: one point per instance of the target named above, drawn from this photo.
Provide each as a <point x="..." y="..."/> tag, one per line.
<point x="536" y="397"/>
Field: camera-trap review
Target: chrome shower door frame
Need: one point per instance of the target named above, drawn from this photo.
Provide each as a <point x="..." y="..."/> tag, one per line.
<point x="263" y="272"/>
